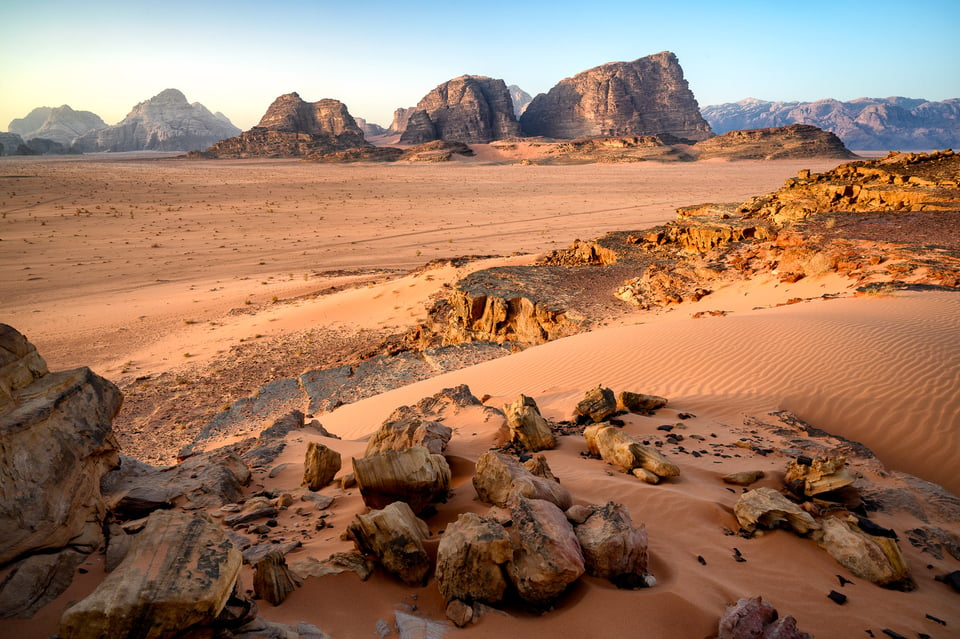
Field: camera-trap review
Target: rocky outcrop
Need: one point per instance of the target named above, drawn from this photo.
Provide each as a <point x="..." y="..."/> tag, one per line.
<point x="395" y="536"/>
<point x="407" y="432"/>
<point x="874" y="557"/>
<point x="292" y="127"/>
<point x="620" y="449"/>
<point x="180" y="572"/>
<point x="597" y="405"/>
<point x="527" y="427"/>
<point x="165" y="122"/>
<point x="767" y="508"/>
<point x="793" y="141"/>
<point x="59" y="124"/>
<point x="465" y="109"/>
<point x="370" y="129"/>
<point x="412" y="475"/>
<point x="521" y="99"/>
<point x="400" y="118"/>
<point x="320" y="466"/>
<point x="648" y="96"/>
<point x="499" y="479"/>
<point x="612" y="547"/>
<point x="903" y="124"/>
<point x="13" y="144"/>
<point x="471" y="558"/>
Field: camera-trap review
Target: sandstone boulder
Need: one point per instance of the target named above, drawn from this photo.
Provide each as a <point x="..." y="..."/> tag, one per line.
<point x="272" y="580"/>
<point x="179" y="573"/>
<point x="411" y="431"/>
<point x="28" y="584"/>
<point x="471" y="559"/>
<point x="527" y="427"/>
<point x="743" y="477"/>
<point x="639" y="402"/>
<point x="767" y="508"/>
<point x="597" y="405"/>
<point x="412" y="475"/>
<point x="810" y="478"/>
<point x="320" y="466"/>
<point x="875" y="558"/>
<point x="620" y="449"/>
<point x="612" y="548"/>
<point x="547" y="556"/>
<point x="499" y="478"/>
<point x="395" y="536"/>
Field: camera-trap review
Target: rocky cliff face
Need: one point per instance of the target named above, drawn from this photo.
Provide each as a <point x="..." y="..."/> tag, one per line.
<point x="648" y="96"/>
<point x="465" y="109"/>
<point x="794" y="141"/>
<point x="61" y="124"/>
<point x="165" y="122"/>
<point x="521" y="99"/>
<point x="865" y="123"/>
<point x="13" y="144"/>
<point x="369" y="129"/>
<point x="292" y="127"/>
<point x="400" y="117"/>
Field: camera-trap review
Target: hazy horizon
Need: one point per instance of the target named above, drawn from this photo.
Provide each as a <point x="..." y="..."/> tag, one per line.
<point x="237" y="57"/>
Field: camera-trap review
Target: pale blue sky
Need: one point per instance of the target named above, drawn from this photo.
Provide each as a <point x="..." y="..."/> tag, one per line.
<point x="236" y="57"/>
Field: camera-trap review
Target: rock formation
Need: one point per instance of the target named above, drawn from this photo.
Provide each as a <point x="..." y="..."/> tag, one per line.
<point x="465" y="109"/>
<point x="499" y="479"/>
<point x="597" y="405"/>
<point x="60" y="124"/>
<point x="165" y="122"/>
<point x="320" y="466"/>
<point x="412" y="475"/>
<point x="527" y="427"/>
<point x="753" y="618"/>
<point x="648" y="96"/>
<point x="13" y="144"/>
<point x="612" y="547"/>
<point x="793" y="141"/>
<point x="395" y="536"/>
<point x="407" y="432"/>
<point x="471" y="558"/>
<point x="292" y="127"/>
<point x="369" y="129"/>
<point x="620" y="449"/>
<point x="767" y="508"/>
<point x="865" y="123"/>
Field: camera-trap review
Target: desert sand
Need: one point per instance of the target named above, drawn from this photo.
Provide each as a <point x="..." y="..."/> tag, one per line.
<point x="144" y="268"/>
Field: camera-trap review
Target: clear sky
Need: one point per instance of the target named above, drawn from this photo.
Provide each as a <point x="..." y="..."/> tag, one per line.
<point x="237" y="56"/>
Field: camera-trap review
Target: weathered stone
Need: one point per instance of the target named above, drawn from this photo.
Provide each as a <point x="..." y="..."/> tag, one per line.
<point x="877" y="559"/>
<point x="412" y="431"/>
<point x="179" y="573"/>
<point x="547" y="556"/>
<point x="335" y="564"/>
<point x="753" y="618"/>
<point x="821" y="475"/>
<point x="617" y="447"/>
<point x="648" y="96"/>
<point x="776" y="143"/>
<point x="646" y="476"/>
<point x="412" y="475"/>
<point x="254" y="509"/>
<point x="744" y="477"/>
<point x="639" y="402"/>
<point x="394" y="535"/>
<point x="320" y="466"/>
<point x="56" y="443"/>
<point x="471" y="558"/>
<point x="57" y="124"/>
<point x="31" y="583"/>
<point x="459" y="613"/>
<point x="498" y="478"/>
<point x="254" y="554"/>
<point x="612" y="548"/>
<point x="767" y="508"/>
<point x="527" y="426"/>
<point x="322" y="502"/>
<point x="537" y="464"/>
<point x="272" y="579"/>
<point x="597" y="405"/>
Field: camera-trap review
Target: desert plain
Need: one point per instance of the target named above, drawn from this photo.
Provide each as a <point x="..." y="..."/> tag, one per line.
<point x="192" y="284"/>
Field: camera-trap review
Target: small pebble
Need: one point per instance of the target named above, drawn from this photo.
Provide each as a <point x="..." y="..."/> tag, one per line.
<point x="837" y="597"/>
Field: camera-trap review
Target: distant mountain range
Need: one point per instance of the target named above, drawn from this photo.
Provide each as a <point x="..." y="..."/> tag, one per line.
<point x="896" y="123"/>
<point x="165" y="122"/>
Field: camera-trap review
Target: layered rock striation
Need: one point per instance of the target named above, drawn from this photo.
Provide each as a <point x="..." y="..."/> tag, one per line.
<point x="648" y="96"/>
<point x="778" y="143"/>
<point x="293" y="127"/>
<point x="466" y="109"/>
<point x="865" y="123"/>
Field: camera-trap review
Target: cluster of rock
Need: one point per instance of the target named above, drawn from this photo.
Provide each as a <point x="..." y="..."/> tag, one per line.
<point x="777" y="143"/>
<point x="866" y="123"/>
<point x="648" y="96"/>
<point x="822" y="495"/>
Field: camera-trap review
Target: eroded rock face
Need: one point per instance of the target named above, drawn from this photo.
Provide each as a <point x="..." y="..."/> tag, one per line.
<point x="292" y="127"/>
<point x="179" y="572"/>
<point x="412" y="475"/>
<point x="165" y="122"/>
<point x="527" y="427"/>
<point x="648" y="96"/>
<point x="499" y="478"/>
<point x="466" y="109"/>
<point x="320" y="466"/>
<point x="58" y="124"/>
<point x="411" y="431"/>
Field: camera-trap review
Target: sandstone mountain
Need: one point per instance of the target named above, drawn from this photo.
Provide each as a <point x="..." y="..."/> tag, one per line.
<point x="60" y="124"/>
<point x="13" y="144"/>
<point x="466" y="109"/>
<point x="648" y="96"/>
<point x="521" y="99"/>
<point x="292" y="127"/>
<point x="864" y="123"/>
<point x="400" y="117"/>
<point x="165" y="122"/>
<point x="369" y="129"/>
<point x="777" y="143"/>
